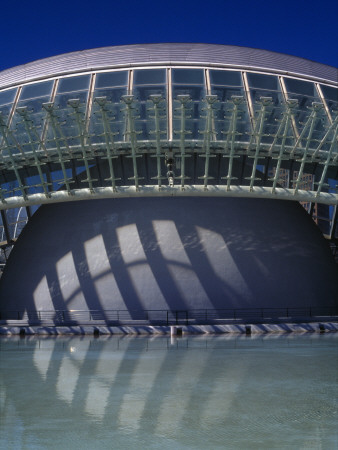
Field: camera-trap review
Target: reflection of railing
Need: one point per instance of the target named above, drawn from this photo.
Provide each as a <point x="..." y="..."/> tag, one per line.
<point x="167" y="317"/>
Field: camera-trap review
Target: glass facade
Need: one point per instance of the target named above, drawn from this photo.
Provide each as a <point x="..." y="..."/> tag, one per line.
<point x="132" y="127"/>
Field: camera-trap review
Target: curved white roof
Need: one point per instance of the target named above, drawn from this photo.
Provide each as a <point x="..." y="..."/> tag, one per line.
<point x="154" y="54"/>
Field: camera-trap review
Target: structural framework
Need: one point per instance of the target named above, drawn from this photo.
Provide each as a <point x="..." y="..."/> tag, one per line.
<point x="169" y="120"/>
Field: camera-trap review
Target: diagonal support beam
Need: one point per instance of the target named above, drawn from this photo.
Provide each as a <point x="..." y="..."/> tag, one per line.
<point x="282" y="132"/>
<point x="327" y="162"/>
<point x="14" y="166"/>
<point x="53" y="121"/>
<point x="80" y="121"/>
<point x="316" y="107"/>
<point x="30" y="129"/>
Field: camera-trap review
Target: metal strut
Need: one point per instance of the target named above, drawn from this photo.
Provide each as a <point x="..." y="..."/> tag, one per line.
<point x="316" y="107"/>
<point x="29" y="127"/>
<point x="327" y="162"/>
<point x="208" y="135"/>
<point x="80" y="121"/>
<point x="183" y="99"/>
<point x="265" y="102"/>
<point x="282" y="133"/>
<point x="4" y="131"/>
<point x="157" y="100"/>
<point x="231" y="136"/>
<point x="128" y="100"/>
<point x="109" y="139"/>
<point x="52" y="118"/>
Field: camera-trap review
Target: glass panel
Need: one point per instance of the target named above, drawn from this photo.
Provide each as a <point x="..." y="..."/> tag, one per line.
<point x="113" y="95"/>
<point x="35" y="105"/>
<point x="263" y="81"/>
<point x="274" y="113"/>
<point x="143" y="93"/>
<point x="67" y="119"/>
<point x="195" y="92"/>
<point x="7" y="96"/>
<point x="300" y="87"/>
<point x="73" y="84"/>
<point x="116" y="123"/>
<point x="306" y="94"/>
<point x="195" y="120"/>
<point x="145" y="123"/>
<point x="35" y="115"/>
<point x="36" y="90"/>
<point x="256" y="95"/>
<point x="111" y="79"/>
<point x="331" y="97"/>
<point x="225" y="78"/>
<point x="224" y="94"/>
<point x="62" y="100"/>
<point x="6" y="101"/>
<point x="330" y="93"/>
<point x="188" y="76"/>
<point x="115" y="110"/>
<point x="223" y="111"/>
<point x="303" y="118"/>
<point x="151" y="76"/>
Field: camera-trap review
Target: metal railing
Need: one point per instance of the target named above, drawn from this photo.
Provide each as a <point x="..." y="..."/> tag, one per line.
<point x="166" y="317"/>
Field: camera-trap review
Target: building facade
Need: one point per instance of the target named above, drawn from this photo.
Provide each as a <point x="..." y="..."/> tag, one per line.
<point x="163" y="171"/>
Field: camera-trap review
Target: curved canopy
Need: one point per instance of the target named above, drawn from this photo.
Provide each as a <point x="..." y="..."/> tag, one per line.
<point x="168" y="119"/>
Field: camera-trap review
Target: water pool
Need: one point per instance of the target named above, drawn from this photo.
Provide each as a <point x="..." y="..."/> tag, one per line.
<point x="194" y="392"/>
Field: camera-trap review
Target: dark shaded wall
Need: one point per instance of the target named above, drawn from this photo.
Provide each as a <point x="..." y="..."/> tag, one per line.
<point x="169" y="253"/>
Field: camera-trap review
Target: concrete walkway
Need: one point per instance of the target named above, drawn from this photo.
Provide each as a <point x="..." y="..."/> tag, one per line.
<point x="52" y="330"/>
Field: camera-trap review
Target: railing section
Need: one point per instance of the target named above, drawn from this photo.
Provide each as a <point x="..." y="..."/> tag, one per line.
<point x="166" y="317"/>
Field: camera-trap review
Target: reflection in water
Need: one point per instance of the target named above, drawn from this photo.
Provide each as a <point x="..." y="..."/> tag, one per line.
<point x="161" y="392"/>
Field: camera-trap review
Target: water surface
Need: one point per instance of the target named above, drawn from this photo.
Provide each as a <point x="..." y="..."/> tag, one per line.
<point x="195" y="392"/>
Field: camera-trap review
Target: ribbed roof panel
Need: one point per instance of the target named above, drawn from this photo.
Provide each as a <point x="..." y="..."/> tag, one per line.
<point x="130" y="55"/>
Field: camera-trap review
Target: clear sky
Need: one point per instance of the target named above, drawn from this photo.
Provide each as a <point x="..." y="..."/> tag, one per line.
<point x="37" y="29"/>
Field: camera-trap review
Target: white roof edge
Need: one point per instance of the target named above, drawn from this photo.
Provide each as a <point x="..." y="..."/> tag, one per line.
<point x="227" y="56"/>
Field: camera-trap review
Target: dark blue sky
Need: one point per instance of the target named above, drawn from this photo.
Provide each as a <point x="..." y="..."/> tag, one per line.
<point x="35" y="29"/>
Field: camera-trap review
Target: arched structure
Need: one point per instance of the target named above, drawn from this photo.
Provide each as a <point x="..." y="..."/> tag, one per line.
<point x="156" y="121"/>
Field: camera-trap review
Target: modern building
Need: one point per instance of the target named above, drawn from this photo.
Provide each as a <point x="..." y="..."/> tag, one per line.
<point x="168" y="177"/>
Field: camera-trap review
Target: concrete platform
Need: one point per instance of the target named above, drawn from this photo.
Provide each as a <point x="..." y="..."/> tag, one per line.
<point x="314" y="327"/>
